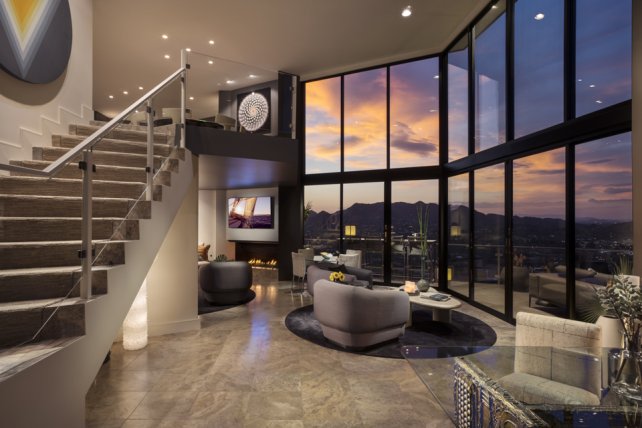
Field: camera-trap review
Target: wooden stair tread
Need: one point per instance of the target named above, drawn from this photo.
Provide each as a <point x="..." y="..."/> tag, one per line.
<point x="47" y="270"/>
<point x="27" y="305"/>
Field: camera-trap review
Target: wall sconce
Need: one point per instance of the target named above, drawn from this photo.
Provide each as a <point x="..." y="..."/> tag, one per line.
<point x="455" y="230"/>
<point x="350" y="230"/>
<point x="135" y="324"/>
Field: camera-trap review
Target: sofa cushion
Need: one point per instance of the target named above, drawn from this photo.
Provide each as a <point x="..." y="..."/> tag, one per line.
<point x="579" y="273"/>
<point x="538" y="390"/>
<point x="332" y="267"/>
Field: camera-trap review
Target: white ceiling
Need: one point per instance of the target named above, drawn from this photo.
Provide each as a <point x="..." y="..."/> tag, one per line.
<point x="311" y="38"/>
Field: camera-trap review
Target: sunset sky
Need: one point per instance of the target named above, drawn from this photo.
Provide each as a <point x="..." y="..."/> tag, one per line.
<point x="603" y="168"/>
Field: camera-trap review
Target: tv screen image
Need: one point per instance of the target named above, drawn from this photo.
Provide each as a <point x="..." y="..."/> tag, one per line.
<point x="250" y="213"/>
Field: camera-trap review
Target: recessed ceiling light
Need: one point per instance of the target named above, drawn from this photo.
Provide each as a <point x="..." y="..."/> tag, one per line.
<point x="229" y="82"/>
<point x="252" y="76"/>
<point x="140" y="88"/>
<point x="436" y="76"/>
<point x="591" y="86"/>
<point x="125" y="93"/>
<point x="579" y="80"/>
<point x="166" y="56"/>
<point x="165" y="36"/>
<point x="210" y="62"/>
<point x="188" y="49"/>
<point x="406" y="12"/>
<point x="432" y="110"/>
<point x="598" y="101"/>
<point x="211" y="42"/>
<point x="111" y="97"/>
<point x="494" y="6"/>
<point x="539" y="16"/>
<point x="191" y="98"/>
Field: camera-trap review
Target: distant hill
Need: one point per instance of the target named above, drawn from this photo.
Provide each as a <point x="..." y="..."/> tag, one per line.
<point x="368" y="219"/>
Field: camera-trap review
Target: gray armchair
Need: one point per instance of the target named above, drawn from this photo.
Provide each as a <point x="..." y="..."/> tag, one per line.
<point x="225" y="283"/>
<point x="356" y="317"/>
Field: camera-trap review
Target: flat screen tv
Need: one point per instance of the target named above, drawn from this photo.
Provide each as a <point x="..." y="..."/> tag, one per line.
<point x="250" y="213"/>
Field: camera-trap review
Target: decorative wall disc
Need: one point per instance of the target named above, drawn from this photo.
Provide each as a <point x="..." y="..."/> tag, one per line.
<point x="253" y="111"/>
<point x="35" y="38"/>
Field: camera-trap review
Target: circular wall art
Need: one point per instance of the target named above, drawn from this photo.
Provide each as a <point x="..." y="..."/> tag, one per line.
<point x="35" y="39"/>
<point x="253" y="111"/>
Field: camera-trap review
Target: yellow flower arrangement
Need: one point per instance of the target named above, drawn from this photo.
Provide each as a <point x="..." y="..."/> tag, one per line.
<point x="337" y="277"/>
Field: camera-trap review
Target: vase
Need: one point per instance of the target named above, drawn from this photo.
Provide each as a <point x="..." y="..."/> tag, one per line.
<point x="422" y="284"/>
<point x="628" y="379"/>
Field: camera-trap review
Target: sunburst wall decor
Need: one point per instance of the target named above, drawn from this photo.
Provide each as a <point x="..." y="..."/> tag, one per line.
<point x="35" y="38"/>
<point x="253" y="111"/>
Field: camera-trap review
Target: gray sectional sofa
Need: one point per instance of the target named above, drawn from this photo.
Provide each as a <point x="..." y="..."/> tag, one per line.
<point x="551" y="286"/>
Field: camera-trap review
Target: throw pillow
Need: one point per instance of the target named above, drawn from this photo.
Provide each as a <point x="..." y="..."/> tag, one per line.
<point x="332" y="267"/>
<point x="203" y="252"/>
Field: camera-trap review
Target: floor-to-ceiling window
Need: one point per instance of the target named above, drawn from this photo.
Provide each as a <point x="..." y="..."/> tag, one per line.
<point x="410" y="201"/>
<point x="373" y="143"/>
<point x="534" y="142"/>
<point x="322" y="217"/>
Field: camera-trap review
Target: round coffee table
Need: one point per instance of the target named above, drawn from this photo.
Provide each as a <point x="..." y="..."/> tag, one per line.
<point x="440" y="309"/>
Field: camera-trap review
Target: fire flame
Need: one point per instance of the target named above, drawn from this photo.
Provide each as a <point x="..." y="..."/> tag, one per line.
<point x="260" y="262"/>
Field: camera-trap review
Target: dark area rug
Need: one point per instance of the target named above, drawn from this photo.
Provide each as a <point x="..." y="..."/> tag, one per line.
<point x="204" y="307"/>
<point x="465" y="335"/>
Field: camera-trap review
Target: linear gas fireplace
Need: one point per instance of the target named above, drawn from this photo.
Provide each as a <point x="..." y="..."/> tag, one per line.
<point x="258" y="254"/>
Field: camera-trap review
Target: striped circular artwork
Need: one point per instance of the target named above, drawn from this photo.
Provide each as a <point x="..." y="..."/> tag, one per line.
<point x="35" y="38"/>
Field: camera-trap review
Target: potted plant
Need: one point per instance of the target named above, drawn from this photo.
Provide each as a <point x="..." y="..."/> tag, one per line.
<point x="622" y="300"/>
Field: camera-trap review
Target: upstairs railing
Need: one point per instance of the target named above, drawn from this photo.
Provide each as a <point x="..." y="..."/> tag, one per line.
<point x="85" y="149"/>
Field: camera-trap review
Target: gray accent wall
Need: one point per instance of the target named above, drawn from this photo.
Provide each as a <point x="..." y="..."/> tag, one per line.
<point x="255" y="235"/>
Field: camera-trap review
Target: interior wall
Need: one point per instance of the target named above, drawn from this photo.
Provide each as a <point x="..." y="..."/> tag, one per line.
<point x="255" y="235"/>
<point x="207" y="219"/>
<point x="637" y="136"/>
<point x="172" y="281"/>
<point x="65" y="100"/>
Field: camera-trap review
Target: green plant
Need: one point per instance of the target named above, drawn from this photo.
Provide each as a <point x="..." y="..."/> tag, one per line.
<point x="422" y="219"/>
<point x="307" y="210"/>
<point x="623" y="300"/>
<point x="221" y="258"/>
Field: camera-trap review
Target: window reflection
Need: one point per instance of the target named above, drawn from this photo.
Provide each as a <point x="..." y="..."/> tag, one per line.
<point x="458" y="234"/>
<point x="458" y="100"/>
<point x="603" y="215"/>
<point x="603" y="61"/>
<point x="490" y="79"/>
<point x="539" y="65"/>
<point x="539" y="232"/>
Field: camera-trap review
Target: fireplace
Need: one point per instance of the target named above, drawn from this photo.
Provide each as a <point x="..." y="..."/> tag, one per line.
<point x="258" y="254"/>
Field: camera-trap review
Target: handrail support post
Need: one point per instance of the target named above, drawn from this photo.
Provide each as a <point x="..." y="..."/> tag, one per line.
<point x="86" y="252"/>
<point x="150" y="151"/>
<point x="183" y="95"/>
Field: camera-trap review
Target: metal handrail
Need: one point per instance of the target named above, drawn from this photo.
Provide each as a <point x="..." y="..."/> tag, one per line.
<point x="85" y="148"/>
<point x="56" y="166"/>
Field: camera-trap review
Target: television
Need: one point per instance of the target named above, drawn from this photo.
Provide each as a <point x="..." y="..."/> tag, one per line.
<point x="250" y="212"/>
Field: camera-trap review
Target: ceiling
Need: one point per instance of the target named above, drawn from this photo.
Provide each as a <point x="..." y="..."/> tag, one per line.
<point x="311" y="38"/>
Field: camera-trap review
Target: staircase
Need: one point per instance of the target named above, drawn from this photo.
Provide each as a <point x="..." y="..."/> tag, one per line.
<point x="40" y="230"/>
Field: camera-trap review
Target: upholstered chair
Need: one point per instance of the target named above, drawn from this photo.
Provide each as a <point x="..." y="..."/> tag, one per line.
<point x="225" y="283"/>
<point x="356" y="317"/>
<point x="298" y="271"/>
<point x="556" y="361"/>
<point x="351" y="260"/>
<point x="359" y="259"/>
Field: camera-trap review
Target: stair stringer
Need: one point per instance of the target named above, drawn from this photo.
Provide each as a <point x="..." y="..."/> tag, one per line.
<point x="52" y="391"/>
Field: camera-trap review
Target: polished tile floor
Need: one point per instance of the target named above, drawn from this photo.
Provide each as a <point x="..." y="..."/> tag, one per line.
<point x="245" y="369"/>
